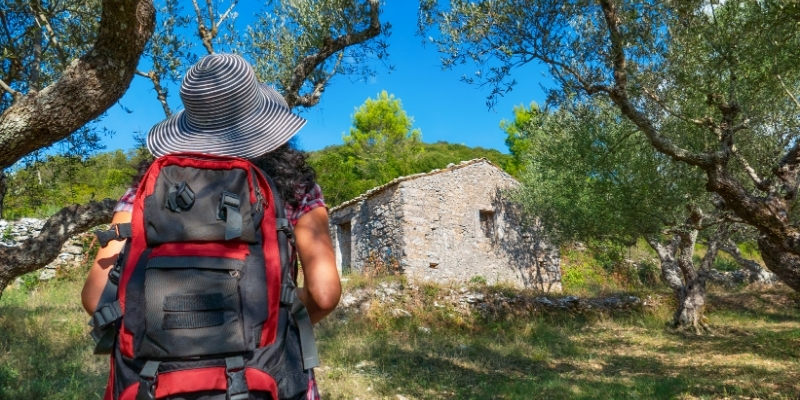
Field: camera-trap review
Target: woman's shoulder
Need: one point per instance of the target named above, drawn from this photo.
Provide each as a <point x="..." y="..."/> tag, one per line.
<point x="307" y="200"/>
<point x="125" y="203"/>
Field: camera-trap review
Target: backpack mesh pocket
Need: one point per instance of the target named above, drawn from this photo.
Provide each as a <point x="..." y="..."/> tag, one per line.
<point x="193" y="308"/>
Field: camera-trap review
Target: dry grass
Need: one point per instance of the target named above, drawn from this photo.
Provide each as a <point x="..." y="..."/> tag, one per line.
<point x="45" y="350"/>
<point x="452" y="352"/>
<point x="755" y="352"/>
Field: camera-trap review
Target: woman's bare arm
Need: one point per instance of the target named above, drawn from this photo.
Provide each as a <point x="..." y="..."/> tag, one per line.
<point x="321" y="287"/>
<point x="98" y="275"/>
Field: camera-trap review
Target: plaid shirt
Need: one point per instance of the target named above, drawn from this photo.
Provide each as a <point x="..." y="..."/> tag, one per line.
<point x="307" y="202"/>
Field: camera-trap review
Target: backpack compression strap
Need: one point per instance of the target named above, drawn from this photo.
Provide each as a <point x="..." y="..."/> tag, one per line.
<point x="108" y="310"/>
<point x="115" y="232"/>
<point x="308" y="343"/>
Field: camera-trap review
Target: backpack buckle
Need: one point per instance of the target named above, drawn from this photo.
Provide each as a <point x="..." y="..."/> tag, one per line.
<point x="228" y="211"/>
<point x="116" y="271"/>
<point x="115" y="232"/>
<point x="237" y="384"/>
<point x="180" y="197"/>
<point x="147" y="381"/>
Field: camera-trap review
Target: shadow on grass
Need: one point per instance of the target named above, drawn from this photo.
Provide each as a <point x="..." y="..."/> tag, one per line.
<point x="45" y="353"/>
<point x="552" y="358"/>
<point x="769" y="305"/>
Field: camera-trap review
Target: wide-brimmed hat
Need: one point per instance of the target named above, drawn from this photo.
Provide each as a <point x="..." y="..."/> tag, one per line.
<point x="226" y="112"/>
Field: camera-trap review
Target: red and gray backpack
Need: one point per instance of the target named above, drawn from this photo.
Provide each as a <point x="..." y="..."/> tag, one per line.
<point x="202" y="302"/>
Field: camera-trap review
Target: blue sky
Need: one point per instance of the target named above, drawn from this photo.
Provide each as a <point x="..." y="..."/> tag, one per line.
<point x="442" y="106"/>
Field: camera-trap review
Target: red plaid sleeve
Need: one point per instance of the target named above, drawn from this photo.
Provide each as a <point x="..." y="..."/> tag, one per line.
<point x="308" y="201"/>
<point x="125" y="203"/>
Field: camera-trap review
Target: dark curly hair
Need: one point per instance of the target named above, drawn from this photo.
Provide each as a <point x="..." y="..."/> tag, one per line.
<point x="287" y="166"/>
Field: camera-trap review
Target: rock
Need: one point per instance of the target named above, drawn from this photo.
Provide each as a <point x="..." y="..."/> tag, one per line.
<point x="72" y="249"/>
<point x="365" y="364"/>
<point x="348" y="300"/>
<point x="423" y="329"/>
<point x="400" y="313"/>
<point x="47" y="274"/>
<point x="401" y="397"/>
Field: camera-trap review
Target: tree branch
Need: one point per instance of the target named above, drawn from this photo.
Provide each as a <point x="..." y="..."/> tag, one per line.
<point x="40" y="19"/>
<point x="760" y="183"/>
<point x="15" y="94"/>
<point x="704" y="123"/>
<point x="330" y="47"/>
<point x="312" y="99"/>
<point x="619" y="96"/>
<point x="88" y="87"/>
<point x="791" y="96"/>
<point x="37" y="252"/>
<point x="757" y="272"/>
<point x="205" y="35"/>
<point x="161" y="92"/>
<point x="225" y="15"/>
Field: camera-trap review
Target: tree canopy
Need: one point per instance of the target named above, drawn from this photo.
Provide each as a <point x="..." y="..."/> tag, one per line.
<point x="65" y="62"/>
<point x="710" y="85"/>
<point x="382" y="145"/>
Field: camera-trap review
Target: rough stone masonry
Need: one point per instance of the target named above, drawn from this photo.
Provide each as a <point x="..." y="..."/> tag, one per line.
<point x="14" y="232"/>
<point x="453" y="224"/>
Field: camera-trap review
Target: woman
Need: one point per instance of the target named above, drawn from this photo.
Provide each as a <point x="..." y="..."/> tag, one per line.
<point x="228" y="113"/>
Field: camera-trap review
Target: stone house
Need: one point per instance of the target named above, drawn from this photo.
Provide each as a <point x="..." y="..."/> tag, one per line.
<point x="446" y="225"/>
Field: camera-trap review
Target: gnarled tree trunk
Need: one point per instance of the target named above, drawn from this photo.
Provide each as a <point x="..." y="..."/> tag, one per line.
<point x="86" y="88"/>
<point x="755" y="273"/>
<point x="3" y="190"/>
<point x="37" y="252"/>
<point x="679" y="272"/>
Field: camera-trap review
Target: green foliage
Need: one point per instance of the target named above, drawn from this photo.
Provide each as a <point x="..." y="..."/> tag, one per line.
<point x="588" y="177"/>
<point x="382" y="146"/>
<point x="608" y="255"/>
<point x="381" y="139"/>
<point x="287" y="34"/>
<point x="30" y="281"/>
<point x="528" y="123"/>
<point x="477" y="280"/>
<point x="44" y="187"/>
<point x="583" y="278"/>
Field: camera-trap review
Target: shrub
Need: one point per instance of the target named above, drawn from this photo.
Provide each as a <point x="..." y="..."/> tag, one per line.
<point x="478" y="280"/>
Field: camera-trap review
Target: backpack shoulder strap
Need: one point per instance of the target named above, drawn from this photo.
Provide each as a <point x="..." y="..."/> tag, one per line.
<point x="289" y="297"/>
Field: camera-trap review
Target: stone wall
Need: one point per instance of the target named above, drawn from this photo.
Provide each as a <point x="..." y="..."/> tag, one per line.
<point x="447" y="225"/>
<point x="459" y="227"/>
<point x="375" y="231"/>
<point x="14" y="232"/>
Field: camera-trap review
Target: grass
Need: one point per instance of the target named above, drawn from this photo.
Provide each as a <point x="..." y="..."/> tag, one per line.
<point x="45" y="350"/>
<point x="755" y="352"/>
<point x="444" y="350"/>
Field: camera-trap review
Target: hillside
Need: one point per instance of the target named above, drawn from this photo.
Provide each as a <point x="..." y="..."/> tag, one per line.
<point x="41" y="188"/>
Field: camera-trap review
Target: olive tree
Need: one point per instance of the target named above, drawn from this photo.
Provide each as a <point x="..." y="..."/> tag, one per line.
<point x="587" y="177"/>
<point x="708" y="85"/>
<point x="65" y="62"/>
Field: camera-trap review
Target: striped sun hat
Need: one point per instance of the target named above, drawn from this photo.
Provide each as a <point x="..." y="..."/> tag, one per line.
<point x="226" y="112"/>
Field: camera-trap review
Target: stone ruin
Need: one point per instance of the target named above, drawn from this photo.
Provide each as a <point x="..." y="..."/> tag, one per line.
<point x="12" y="233"/>
<point x="453" y="224"/>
